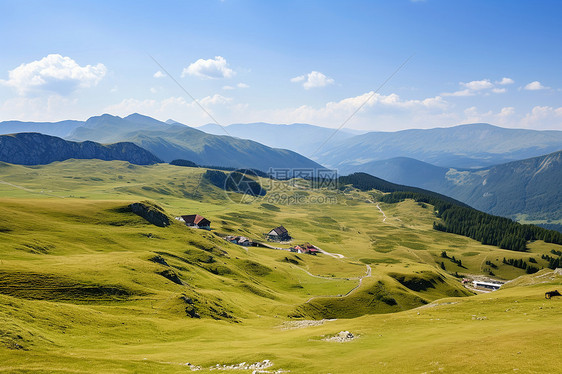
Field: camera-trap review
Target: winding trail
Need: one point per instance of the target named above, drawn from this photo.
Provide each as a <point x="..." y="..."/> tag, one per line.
<point x="379" y="208"/>
<point x="367" y="275"/>
<point x="383" y="215"/>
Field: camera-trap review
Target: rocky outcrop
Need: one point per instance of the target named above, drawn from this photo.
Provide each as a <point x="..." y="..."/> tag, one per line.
<point x="151" y="212"/>
<point x="39" y="149"/>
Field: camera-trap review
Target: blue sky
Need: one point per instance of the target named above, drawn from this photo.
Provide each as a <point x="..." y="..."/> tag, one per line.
<point x="284" y="62"/>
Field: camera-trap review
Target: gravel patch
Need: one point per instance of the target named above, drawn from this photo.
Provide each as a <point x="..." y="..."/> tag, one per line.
<point x="341" y="337"/>
<point x="291" y="325"/>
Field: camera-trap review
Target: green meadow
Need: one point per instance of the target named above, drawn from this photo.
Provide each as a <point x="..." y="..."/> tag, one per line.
<point x="88" y="286"/>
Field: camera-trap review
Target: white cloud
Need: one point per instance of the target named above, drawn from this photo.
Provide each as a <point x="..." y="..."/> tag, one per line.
<point x="460" y="93"/>
<point x="483" y="87"/>
<point x="535" y="86"/>
<point x="159" y="74"/>
<point x="53" y="73"/>
<point x="384" y="111"/>
<point x="478" y="85"/>
<point x="209" y="69"/>
<point x="505" y="81"/>
<point x="506" y="112"/>
<point x="543" y="117"/>
<point x="239" y="85"/>
<point x="313" y="79"/>
<point x="214" y="100"/>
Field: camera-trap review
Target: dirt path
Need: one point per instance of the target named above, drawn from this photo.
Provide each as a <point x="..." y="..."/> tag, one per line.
<point x="367" y="275"/>
<point x="379" y="208"/>
<point x="335" y="255"/>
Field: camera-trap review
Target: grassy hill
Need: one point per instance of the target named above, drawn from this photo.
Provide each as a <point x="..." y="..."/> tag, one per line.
<point x="88" y="286"/>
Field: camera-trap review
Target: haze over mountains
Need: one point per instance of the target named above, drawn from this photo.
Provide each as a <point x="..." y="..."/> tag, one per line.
<point x="61" y="129"/>
<point x="465" y="146"/>
<point x="299" y="137"/>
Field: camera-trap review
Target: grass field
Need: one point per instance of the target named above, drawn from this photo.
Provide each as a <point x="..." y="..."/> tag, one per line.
<point x="88" y="286"/>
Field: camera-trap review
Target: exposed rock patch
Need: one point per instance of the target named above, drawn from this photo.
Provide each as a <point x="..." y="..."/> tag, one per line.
<point x="151" y="212"/>
<point x="171" y="275"/>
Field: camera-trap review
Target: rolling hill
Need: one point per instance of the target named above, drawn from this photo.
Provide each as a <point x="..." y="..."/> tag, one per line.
<point x="87" y="285"/>
<point x="37" y="149"/>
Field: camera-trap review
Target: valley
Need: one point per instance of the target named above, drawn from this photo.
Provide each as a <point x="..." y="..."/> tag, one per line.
<point x="85" y="283"/>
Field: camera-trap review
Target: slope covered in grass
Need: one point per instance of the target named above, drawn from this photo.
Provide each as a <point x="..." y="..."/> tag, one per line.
<point x="87" y="285"/>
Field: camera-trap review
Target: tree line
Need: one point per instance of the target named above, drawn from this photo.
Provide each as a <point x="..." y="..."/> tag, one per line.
<point x="485" y="228"/>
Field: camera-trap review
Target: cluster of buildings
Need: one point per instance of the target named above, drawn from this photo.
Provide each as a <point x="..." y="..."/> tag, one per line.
<point x="306" y="248"/>
<point x="278" y="234"/>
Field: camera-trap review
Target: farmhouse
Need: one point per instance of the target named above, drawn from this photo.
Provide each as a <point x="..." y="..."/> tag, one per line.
<point x="197" y="221"/>
<point x="279" y="234"/>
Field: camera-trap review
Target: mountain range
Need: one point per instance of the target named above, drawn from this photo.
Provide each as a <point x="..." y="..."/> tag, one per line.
<point x="527" y="188"/>
<point x="176" y="141"/>
<point x="38" y="149"/>
<point x="168" y="141"/>
<point x="469" y="146"/>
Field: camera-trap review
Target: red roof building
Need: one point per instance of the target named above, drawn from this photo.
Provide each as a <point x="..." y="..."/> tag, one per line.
<point x="195" y="220"/>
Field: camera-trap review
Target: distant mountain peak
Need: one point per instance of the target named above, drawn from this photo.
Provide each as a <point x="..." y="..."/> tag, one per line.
<point x="138" y="116"/>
